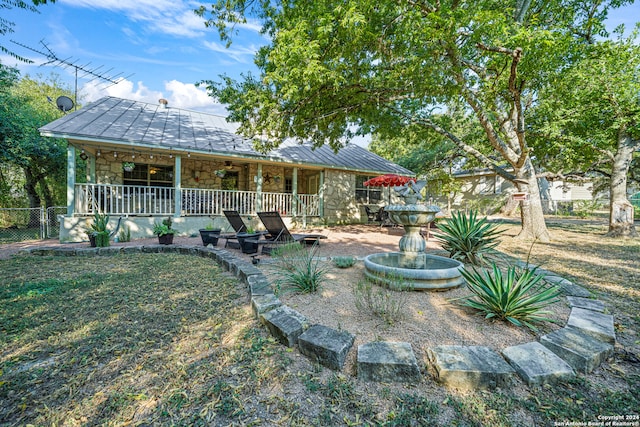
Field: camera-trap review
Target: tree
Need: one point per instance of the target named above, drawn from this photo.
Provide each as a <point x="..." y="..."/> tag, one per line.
<point x="23" y="109"/>
<point x="382" y="65"/>
<point x="425" y="152"/>
<point x="589" y="121"/>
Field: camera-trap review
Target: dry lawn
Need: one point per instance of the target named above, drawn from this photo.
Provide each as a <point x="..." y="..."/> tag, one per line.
<point x="163" y="339"/>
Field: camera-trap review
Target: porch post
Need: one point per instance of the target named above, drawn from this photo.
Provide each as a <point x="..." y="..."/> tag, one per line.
<point x="71" y="179"/>
<point x="294" y="192"/>
<point x="259" y="189"/>
<point x="321" y="195"/>
<point x="91" y="170"/>
<point x="177" y="179"/>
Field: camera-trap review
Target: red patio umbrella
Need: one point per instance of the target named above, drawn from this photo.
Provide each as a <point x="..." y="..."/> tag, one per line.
<point x="388" y="180"/>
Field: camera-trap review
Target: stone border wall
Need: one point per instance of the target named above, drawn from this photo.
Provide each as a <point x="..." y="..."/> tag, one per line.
<point x="581" y="346"/>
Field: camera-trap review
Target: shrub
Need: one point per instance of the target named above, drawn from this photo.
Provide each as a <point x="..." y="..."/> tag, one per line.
<point x="387" y="304"/>
<point x="98" y="229"/>
<point x="468" y="239"/>
<point x="297" y="268"/>
<point x="164" y="228"/>
<point x="344" y="261"/>
<point x="124" y="235"/>
<point x="585" y="208"/>
<point x="519" y="296"/>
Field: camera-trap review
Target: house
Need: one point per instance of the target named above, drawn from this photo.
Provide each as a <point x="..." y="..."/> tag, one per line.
<point x="146" y="161"/>
<point x="487" y="191"/>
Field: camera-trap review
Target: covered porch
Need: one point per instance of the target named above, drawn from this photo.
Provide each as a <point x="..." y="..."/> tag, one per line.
<point x="140" y="162"/>
<point x="132" y="200"/>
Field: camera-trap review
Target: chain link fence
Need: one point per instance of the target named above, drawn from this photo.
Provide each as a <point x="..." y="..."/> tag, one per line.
<point x="18" y="224"/>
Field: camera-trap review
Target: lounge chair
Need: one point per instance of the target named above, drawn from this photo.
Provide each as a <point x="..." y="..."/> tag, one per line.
<point x="238" y="226"/>
<point x="280" y="234"/>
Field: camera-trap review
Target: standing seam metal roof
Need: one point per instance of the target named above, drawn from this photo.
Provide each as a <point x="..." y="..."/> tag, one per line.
<point x="125" y="122"/>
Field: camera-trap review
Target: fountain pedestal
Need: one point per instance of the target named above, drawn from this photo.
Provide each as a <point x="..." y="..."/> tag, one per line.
<point x="412" y="268"/>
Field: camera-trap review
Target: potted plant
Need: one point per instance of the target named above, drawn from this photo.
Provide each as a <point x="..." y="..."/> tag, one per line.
<point x="210" y="235"/>
<point x="246" y="246"/>
<point x="97" y="232"/>
<point x="277" y="179"/>
<point x="128" y="166"/>
<point x="220" y="173"/>
<point x="164" y="231"/>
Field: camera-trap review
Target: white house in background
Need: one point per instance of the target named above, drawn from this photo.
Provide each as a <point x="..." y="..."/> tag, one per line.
<point x="192" y="166"/>
<point x="487" y="191"/>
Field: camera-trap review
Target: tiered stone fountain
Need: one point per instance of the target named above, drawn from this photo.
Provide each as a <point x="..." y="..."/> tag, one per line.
<point x="412" y="267"/>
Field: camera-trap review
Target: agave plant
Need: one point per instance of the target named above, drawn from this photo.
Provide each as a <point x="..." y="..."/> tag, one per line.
<point x="298" y="269"/>
<point x="518" y="296"/>
<point x="468" y="239"/>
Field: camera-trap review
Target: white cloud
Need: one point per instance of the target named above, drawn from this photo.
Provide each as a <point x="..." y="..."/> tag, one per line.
<point x="189" y="96"/>
<point x="161" y="16"/>
<point x="239" y="53"/>
<point x="179" y="94"/>
<point x="124" y="89"/>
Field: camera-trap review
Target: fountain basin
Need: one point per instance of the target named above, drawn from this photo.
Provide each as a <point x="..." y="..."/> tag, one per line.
<point x="419" y="272"/>
<point x="413" y="214"/>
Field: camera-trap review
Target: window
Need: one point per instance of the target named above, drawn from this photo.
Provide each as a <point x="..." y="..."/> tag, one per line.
<point x="288" y="185"/>
<point x="149" y="175"/>
<point x="230" y="181"/>
<point x="367" y="195"/>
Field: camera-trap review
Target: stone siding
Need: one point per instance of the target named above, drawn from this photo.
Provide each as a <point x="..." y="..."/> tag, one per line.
<point x="340" y="205"/>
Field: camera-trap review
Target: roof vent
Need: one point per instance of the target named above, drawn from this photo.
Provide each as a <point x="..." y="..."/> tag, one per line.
<point x="163" y="102"/>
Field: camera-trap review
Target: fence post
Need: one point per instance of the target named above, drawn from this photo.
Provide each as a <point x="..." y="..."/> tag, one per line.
<point x="43" y="223"/>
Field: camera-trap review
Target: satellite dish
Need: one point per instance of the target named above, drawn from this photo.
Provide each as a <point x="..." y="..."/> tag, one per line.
<point x="64" y="103"/>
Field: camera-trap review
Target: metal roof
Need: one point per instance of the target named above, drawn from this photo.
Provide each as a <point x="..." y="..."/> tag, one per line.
<point x="117" y="121"/>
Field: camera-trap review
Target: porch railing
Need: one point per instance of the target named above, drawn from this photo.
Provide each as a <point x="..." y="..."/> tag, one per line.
<point x="142" y="200"/>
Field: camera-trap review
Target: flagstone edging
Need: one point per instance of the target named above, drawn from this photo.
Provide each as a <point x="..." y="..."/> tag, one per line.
<point x="582" y="345"/>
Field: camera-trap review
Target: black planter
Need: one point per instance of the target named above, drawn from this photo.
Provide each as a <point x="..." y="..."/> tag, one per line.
<point x="248" y="247"/>
<point x="210" y="237"/>
<point x="165" y="239"/>
<point x="92" y="240"/>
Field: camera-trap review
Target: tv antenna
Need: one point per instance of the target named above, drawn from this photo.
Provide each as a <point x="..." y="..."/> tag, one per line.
<point x="95" y="73"/>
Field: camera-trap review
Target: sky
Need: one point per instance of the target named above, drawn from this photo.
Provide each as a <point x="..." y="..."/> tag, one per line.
<point x="154" y="48"/>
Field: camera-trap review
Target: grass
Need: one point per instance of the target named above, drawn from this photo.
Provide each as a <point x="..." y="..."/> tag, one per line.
<point x="165" y="339"/>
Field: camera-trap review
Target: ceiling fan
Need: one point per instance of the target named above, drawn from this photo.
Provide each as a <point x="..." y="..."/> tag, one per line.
<point x="228" y="165"/>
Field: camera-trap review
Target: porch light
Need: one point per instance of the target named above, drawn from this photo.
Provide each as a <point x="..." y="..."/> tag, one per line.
<point x="188" y="154"/>
<point x="115" y="154"/>
<point x="98" y="153"/>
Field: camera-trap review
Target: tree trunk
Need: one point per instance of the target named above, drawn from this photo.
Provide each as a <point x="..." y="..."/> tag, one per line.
<point x="32" y="195"/>
<point x="620" y="210"/>
<point x="533" y="225"/>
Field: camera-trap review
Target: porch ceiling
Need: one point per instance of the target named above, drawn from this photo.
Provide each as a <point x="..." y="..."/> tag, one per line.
<point x="114" y="122"/>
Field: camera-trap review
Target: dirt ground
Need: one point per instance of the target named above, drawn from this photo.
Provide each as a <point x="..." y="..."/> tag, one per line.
<point x="430" y="317"/>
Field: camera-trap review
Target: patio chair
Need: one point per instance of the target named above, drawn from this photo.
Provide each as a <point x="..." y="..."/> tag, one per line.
<point x="238" y="226"/>
<point x="385" y="220"/>
<point x="280" y="234"/>
<point x="372" y="215"/>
